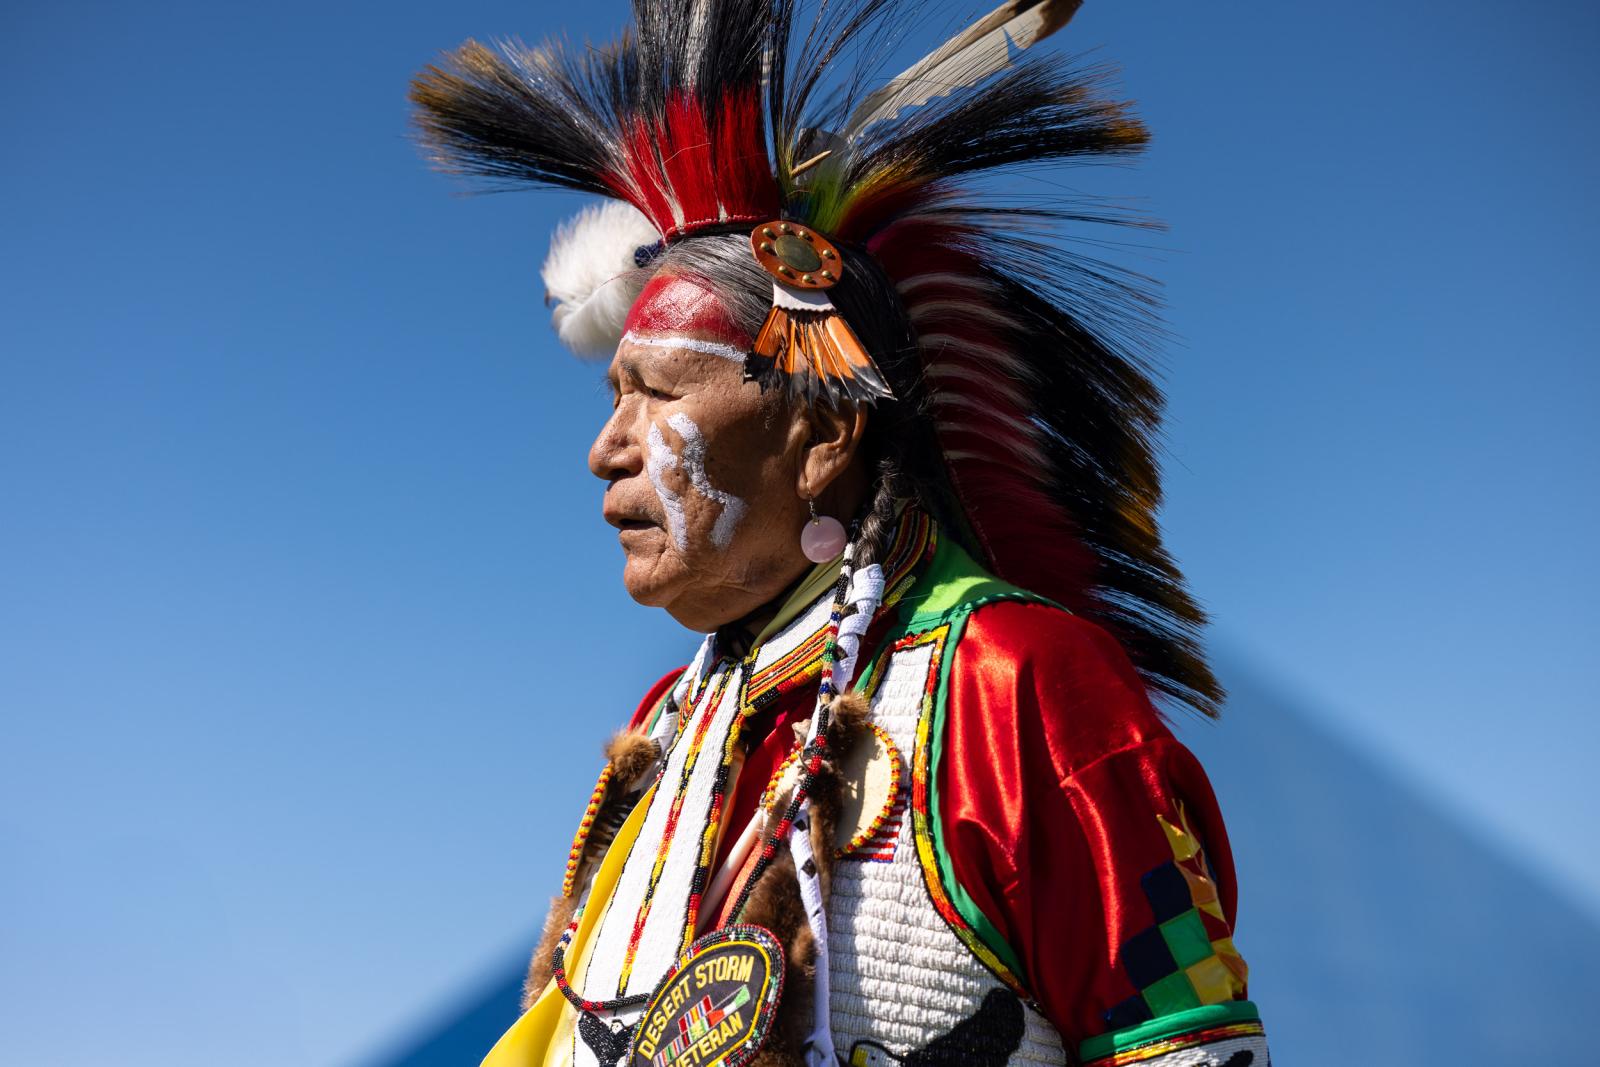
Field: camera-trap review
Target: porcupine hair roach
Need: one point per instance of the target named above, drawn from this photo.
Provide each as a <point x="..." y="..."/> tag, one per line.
<point x="1026" y="415"/>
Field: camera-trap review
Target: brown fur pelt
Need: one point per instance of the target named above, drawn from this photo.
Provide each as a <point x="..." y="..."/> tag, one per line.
<point x="774" y="901"/>
<point x="539" y="968"/>
<point x="775" y="904"/>
<point x="850" y="711"/>
<point x="629" y="754"/>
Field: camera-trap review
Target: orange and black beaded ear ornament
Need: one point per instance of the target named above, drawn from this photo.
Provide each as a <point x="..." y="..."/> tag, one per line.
<point x="806" y="345"/>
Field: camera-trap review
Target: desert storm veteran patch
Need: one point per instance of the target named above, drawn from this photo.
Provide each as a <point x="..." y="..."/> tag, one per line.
<point x="716" y="1007"/>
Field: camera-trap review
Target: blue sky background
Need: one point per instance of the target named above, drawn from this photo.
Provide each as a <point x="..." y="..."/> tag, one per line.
<point x="309" y="626"/>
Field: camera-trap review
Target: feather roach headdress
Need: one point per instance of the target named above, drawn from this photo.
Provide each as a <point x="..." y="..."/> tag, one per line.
<point x="712" y="118"/>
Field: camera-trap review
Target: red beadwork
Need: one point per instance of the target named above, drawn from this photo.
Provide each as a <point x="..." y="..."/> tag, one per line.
<point x="706" y="711"/>
<point x="575" y="854"/>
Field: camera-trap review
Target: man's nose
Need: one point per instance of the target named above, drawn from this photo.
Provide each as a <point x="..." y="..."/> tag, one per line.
<point x="616" y="452"/>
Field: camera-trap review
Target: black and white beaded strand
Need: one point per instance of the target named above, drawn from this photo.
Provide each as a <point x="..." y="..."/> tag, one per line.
<point x="812" y="757"/>
<point x="816" y="749"/>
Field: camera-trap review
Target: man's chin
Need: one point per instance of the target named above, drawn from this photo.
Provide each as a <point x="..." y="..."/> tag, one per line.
<point x="642" y="578"/>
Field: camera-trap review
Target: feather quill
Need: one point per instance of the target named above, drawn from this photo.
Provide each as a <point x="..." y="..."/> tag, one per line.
<point x="1023" y="406"/>
<point x="982" y="49"/>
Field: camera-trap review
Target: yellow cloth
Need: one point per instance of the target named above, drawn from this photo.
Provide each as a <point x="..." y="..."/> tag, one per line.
<point x="805" y="594"/>
<point x="541" y="1037"/>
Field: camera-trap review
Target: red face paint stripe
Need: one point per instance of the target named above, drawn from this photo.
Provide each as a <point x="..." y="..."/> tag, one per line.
<point x="676" y="305"/>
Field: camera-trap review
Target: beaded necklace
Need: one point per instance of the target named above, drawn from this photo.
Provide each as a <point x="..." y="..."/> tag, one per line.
<point x="696" y="740"/>
<point x="811" y="758"/>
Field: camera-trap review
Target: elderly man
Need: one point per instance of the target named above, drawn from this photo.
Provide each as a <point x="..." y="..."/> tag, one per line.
<point x="884" y="446"/>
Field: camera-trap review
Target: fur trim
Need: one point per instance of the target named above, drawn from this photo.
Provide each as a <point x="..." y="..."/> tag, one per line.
<point x="824" y="812"/>
<point x="631" y="754"/>
<point x="850" y="712"/>
<point x="539" y="968"/>
<point x="775" y="904"/>
<point x="591" y="276"/>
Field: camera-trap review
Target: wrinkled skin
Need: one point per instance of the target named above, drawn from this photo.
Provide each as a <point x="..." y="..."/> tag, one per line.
<point x="770" y="455"/>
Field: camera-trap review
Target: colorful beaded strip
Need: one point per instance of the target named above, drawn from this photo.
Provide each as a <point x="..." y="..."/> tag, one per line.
<point x="559" y="957"/>
<point x="817" y="750"/>
<point x="558" y="969"/>
<point x="813" y="755"/>
<point x="706" y="712"/>
<point x="1167" y="1046"/>
<point x="581" y="838"/>
<point x="769" y="795"/>
<point x="921" y="816"/>
<point x="708" y="840"/>
<point x="915" y="540"/>
<point x="868" y="832"/>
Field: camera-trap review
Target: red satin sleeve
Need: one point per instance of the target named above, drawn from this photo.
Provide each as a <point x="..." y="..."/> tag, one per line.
<point x="1057" y="788"/>
<point x="647" y="706"/>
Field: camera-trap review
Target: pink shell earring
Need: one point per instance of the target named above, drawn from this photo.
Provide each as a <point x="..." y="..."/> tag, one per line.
<point x="822" y="538"/>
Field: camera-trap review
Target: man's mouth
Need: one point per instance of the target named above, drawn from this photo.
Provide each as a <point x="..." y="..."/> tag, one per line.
<point x="628" y="520"/>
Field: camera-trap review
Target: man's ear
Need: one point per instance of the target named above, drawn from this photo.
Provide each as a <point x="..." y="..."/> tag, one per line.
<point x="834" y="437"/>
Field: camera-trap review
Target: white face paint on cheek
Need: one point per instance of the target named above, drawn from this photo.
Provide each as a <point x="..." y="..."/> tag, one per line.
<point x="694" y="465"/>
<point x="660" y="460"/>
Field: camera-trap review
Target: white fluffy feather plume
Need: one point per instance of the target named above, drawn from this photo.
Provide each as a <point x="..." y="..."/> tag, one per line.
<point x="591" y="277"/>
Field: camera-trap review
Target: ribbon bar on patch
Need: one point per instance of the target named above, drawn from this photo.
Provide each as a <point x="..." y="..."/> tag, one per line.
<point x="716" y="1006"/>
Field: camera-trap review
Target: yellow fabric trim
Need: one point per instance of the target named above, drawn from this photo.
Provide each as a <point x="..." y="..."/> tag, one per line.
<point x="540" y="1037"/>
<point x="1180" y="1044"/>
<point x="1182" y="842"/>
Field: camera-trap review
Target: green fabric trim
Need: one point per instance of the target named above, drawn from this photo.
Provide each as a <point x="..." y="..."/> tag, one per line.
<point x="969" y="911"/>
<point x="661" y="705"/>
<point x="949" y="585"/>
<point x="952" y="588"/>
<point x="818" y="581"/>
<point x="1203" y="1018"/>
<point x="954" y="584"/>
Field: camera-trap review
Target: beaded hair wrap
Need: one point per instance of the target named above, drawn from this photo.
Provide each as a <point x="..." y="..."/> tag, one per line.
<point x="815" y="748"/>
<point x="842" y="227"/>
<point x="856" y="596"/>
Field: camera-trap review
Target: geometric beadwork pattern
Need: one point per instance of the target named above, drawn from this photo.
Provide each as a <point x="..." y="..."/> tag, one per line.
<point x="1232" y="1045"/>
<point x="1185" y="958"/>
